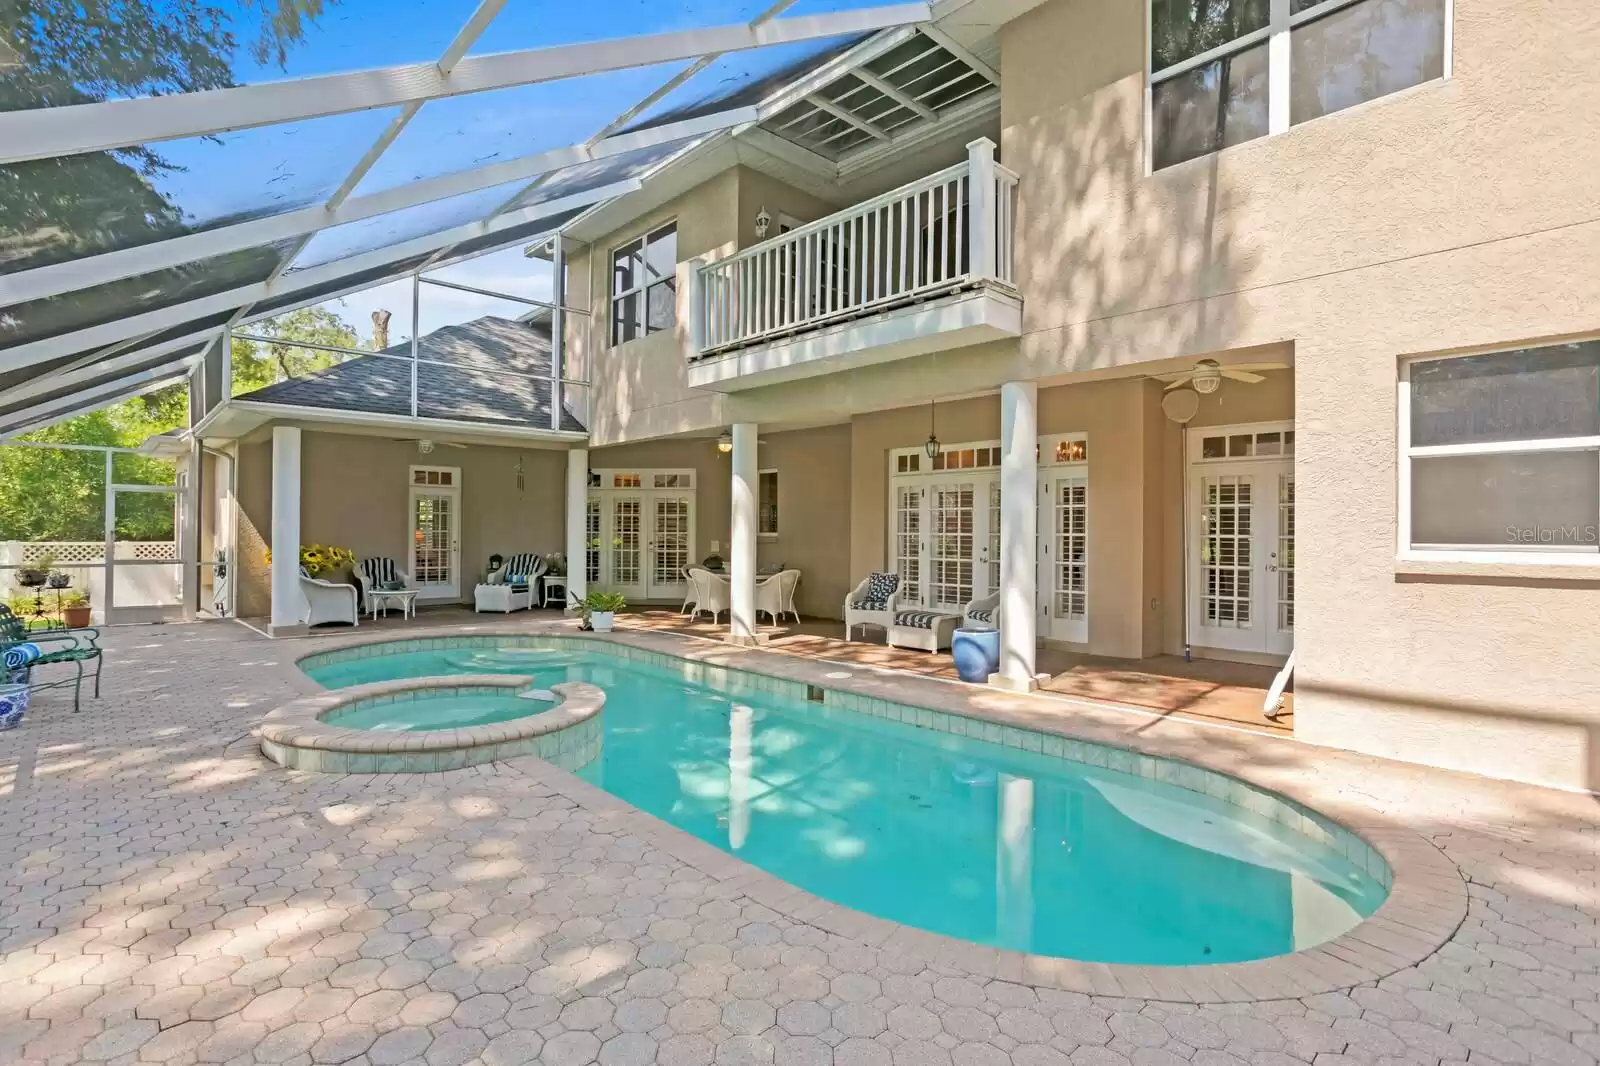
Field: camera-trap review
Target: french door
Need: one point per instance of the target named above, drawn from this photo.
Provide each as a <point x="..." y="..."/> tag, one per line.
<point x="1062" y="585"/>
<point x="436" y="542"/>
<point x="946" y="543"/>
<point x="1241" y="556"/>
<point x="643" y="540"/>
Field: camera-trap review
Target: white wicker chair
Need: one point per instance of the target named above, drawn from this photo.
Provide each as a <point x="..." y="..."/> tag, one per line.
<point x="328" y="601"/>
<point x="775" y="595"/>
<point x="499" y="593"/>
<point x="983" y="611"/>
<point x="711" y="593"/>
<point x="873" y="602"/>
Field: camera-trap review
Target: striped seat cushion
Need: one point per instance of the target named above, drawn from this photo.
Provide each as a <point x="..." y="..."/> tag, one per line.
<point x="918" y="619"/>
<point x="869" y="605"/>
<point x="526" y="565"/>
<point x="982" y="616"/>
<point x="379" y="570"/>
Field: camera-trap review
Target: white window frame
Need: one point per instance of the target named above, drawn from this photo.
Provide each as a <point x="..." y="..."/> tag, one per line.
<point x="643" y="286"/>
<point x="1405" y="452"/>
<point x="1276" y="33"/>
<point x="762" y="534"/>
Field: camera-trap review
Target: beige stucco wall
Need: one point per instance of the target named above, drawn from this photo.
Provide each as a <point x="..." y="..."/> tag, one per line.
<point x="640" y="389"/>
<point x="813" y="502"/>
<point x="355" y="493"/>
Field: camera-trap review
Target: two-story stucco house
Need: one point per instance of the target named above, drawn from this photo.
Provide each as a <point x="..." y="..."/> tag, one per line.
<point x="1231" y="329"/>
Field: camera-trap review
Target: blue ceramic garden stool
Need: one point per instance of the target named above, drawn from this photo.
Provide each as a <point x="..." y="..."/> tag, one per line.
<point x="976" y="650"/>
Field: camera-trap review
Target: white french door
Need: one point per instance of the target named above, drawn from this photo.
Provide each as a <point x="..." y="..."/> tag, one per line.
<point x="1062" y="588"/>
<point x="641" y="531"/>
<point x="945" y="539"/>
<point x="1241" y="555"/>
<point x="436" y="541"/>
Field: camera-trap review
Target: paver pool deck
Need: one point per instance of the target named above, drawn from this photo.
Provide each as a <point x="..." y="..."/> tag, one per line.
<point x="170" y="896"/>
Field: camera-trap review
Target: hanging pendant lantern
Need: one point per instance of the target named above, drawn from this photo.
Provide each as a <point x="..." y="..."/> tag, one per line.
<point x="933" y="446"/>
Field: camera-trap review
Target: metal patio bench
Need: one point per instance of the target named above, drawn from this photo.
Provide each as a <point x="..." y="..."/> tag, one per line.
<point x="76" y="646"/>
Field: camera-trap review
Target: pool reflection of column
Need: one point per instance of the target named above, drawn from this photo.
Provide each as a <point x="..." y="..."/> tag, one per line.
<point x="1013" y="894"/>
<point x="741" y="727"/>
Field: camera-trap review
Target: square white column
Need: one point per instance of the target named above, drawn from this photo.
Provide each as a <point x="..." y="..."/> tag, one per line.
<point x="288" y="605"/>
<point x="1019" y="532"/>
<point x="577" y="524"/>
<point x="742" y="543"/>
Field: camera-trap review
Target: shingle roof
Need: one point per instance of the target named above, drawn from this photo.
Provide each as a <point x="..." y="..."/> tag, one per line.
<point x="498" y="372"/>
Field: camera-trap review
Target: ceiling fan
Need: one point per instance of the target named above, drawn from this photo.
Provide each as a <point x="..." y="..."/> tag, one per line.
<point x="424" y="445"/>
<point x="1206" y="376"/>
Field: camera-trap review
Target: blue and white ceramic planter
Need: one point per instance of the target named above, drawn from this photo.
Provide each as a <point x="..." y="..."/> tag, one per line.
<point x="13" y="705"/>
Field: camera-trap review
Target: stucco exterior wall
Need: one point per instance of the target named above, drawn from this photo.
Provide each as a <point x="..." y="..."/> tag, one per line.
<point x="813" y="502"/>
<point x="355" y="493"/>
<point x="640" y="388"/>
<point x="1458" y="215"/>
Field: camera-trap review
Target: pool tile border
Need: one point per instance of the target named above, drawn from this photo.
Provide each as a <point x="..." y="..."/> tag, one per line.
<point x="296" y="735"/>
<point x="1427" y="898"/>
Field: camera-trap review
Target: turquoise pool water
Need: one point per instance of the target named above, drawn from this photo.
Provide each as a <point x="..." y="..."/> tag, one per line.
<point x="437" y="712"/>
<point x="953" y="835"/>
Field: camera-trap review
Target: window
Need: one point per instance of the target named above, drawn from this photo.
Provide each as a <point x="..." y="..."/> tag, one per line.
<point x="644" y="285"/>
<point x="1501" y="452"/>
<point x="767" y="508"/>
<point x="1212" y="65"/>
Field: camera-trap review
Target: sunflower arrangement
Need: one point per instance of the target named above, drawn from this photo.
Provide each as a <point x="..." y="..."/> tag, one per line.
<point x="319" y="559"/>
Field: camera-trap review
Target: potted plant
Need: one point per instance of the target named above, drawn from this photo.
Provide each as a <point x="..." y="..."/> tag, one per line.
<point x="599" y="610"/>
<point x="58" y="580"/>
<point x="75" y="609"/>
<point x="558" y="564"/>
<point x="31" y="577"/>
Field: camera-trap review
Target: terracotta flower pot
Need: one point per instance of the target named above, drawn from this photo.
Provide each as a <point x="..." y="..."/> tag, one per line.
<point x="75" y="617"/>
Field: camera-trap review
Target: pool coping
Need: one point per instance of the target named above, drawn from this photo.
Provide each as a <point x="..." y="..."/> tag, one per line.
<point x="1426" y="903"/>
<point x="295" y="734"/>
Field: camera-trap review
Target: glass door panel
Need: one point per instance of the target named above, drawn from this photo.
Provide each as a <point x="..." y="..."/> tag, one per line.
<point x="1242" y="558"/>
<point x="1064" y="557"/>
<point x="435" y="544"/>
<point x="672" y="531"/>
<point x="908" y="543"/>
<point x="954" y="543"/>
<point x="626" y="546"/>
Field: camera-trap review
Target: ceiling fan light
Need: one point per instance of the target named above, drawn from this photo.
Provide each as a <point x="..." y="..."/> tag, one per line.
<point x="725" y="443"/>
<point x="1207" y="377"/>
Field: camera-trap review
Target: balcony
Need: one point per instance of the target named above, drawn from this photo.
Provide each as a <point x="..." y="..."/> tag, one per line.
<point x="927" y="267"/>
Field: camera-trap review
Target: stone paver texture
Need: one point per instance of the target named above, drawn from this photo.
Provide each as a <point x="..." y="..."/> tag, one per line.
<point x="171" y="897"/>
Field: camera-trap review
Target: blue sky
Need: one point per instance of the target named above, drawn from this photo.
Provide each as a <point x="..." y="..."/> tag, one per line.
<point x="282" y="167"/>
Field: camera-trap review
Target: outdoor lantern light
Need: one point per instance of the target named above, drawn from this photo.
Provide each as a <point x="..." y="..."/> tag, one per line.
<point x="932" y="447"/>
<point x="763" y="223"/>
<point x="725" y="443"/>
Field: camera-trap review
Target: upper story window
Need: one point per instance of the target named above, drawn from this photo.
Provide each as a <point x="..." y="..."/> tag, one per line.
<point x="1214" y="64"/>
<point x="644" y="285"/>
<point x="1501" y="452"/>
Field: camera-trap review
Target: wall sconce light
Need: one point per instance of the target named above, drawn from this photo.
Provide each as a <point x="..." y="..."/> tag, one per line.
<point x="725" y="443"/>
<point x="763" y="223"/>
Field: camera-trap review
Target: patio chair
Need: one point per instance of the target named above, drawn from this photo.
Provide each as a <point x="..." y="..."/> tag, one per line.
<point x="75" y="646"/>
<point x="775" y="595"/>
<point x="688" y="587"/>
<point x="872" y="603"/>
<point x="509" y="587"/>
<point x="328" y="601"/>
<point x="983" y="611"/>
<point x="711" y="593"/>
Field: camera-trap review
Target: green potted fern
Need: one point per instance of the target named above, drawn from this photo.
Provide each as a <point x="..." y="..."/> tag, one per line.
<point x="599" y="610"/>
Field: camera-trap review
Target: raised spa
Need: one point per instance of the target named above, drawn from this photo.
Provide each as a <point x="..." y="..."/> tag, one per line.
<point x="1003" y="836"/>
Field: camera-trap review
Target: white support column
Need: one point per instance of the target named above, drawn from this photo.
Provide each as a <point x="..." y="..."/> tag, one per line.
<point x="189" y="526"/>
<point x="1019" y="531"/>
<point x="981" y="208"/>
<point x="558" y="328"/>
<point x="287" y="601"/>
<point x="742" y="544"/>
<point x="577" y="524"/>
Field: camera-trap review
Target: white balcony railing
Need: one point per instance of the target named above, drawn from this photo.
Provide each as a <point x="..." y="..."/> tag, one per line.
<point x="944" y="232"/>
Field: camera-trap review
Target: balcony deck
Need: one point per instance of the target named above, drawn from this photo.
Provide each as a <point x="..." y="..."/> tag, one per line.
<point x="923" y="268"/>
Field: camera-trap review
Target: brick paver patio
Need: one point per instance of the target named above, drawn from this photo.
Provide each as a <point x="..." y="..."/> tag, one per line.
<point x="171" y="897"/>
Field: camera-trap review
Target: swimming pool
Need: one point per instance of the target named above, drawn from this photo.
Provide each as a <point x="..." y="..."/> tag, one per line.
<point x="1007" y="847"/>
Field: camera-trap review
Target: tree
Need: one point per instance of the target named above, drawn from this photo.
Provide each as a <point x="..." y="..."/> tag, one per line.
<point x="86" y="51"/>
<point x="257" y="364"/>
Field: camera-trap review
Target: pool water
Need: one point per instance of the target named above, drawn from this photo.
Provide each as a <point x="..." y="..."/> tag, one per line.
<point x="962" y="837"/>
<point x="436" y="712"/>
